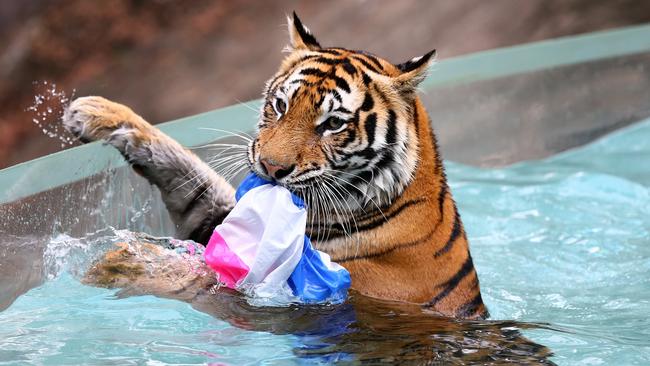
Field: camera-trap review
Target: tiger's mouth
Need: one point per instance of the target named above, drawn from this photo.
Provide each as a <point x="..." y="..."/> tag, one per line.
<point x="296" y="181"/>
<point x="299" y="182"/>
<point x="291" y="177"/>
<point x="330" y="194"/>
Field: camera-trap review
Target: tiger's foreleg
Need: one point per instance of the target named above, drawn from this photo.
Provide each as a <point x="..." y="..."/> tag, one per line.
<point x="196" y="197"/>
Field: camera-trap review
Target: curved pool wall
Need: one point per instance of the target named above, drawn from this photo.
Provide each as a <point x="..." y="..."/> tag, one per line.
<point x="488" y="109"/>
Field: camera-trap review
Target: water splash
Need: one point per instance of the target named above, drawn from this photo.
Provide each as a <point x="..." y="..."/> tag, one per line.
<point x="75" y="255"/>
<point x="48" y="107"/>
<point x="64" y="253"/>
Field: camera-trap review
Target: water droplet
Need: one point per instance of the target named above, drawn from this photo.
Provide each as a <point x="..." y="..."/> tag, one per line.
<point x="48" y="107"/>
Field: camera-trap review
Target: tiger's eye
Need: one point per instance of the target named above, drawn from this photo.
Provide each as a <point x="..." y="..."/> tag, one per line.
<point x="334" y="123"/>
<point x="280" y="106"/>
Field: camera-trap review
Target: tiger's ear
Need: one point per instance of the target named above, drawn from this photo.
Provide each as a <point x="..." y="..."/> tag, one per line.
<point x="300" y="36"/>
<point x="413" y="72"/>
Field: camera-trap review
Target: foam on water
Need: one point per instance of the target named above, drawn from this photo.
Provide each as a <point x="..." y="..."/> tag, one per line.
<point x="565" y="241"/>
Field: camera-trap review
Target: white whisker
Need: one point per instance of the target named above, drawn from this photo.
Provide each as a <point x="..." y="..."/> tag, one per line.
<point x="241" y="134"/>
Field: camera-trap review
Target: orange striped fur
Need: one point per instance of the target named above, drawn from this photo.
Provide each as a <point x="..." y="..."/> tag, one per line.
<point x="346" y="131"/>
<point x="404" y="242"/>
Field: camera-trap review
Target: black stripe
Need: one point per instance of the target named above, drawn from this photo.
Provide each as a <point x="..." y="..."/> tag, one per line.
<point x="366" y="64"/>
<point x="370" y="124"/>
<point x="366" y="79"/>
<point x="362" y="178"/>
<point x="386" y="159"/>
<point x="302" y="81"/>
<point x="337" y="96"/>
<point x="455" y="233"/>
<point x="453" y="282"/>
<point x="368" y="103"/>
<point x="341" y="83"/>
<point x="441" y="199"/>
<point x="328" y="61"/>
<point x="391" y="137"/>
<point x="415" y="119"/>
<point x="470" y="307"/>
<point x="331" y="51"/>
<point x="372" y="214"/>
<point x="290" y="69"/>
<point x="268" y="115"/>
<point x="368" y="153"/>
<point x="416" y="242"/>
<point x="440" y="170"/>
<point x="381" y="219"/>
<point x="374" y="60"/>
<point x="306" y="37"/>
<point x="271" y="83"/>
<point x="349" y="68"/>
<point x="412" y="64"/>
<point x="321" y="98"/>
<point x="391" y="134"/>
<point x="352" y="135"/>
<point x="313" y="71"/>
<point x="382" y="96"/>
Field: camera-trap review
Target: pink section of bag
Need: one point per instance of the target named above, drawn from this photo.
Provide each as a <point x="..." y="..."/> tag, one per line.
<point x="224" y="261"/>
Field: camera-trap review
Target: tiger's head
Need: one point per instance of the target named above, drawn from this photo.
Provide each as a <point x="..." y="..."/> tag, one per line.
<point x="339" y="120"/>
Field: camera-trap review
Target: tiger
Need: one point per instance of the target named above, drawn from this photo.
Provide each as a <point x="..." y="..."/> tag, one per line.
<point x="346" y="131"/>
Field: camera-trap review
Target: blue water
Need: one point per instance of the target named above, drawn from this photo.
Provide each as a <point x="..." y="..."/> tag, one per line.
<point x="563" y="241"/>
<point x="64" y="322"/>
<point x="566" y="240"/>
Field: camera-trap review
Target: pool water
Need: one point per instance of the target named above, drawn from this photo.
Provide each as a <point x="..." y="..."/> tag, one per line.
<point x="561" y="245"/>
<point x="566" y="240"/>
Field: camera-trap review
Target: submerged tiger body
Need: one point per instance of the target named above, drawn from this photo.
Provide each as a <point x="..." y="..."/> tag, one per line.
<point x="345" y="130"/>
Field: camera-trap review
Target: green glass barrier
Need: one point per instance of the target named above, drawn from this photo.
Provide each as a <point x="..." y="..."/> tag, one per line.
<point x="80" y="162"/>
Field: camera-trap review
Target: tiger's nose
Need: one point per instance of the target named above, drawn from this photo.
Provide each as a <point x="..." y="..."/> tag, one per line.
<point x="276" y="171"/>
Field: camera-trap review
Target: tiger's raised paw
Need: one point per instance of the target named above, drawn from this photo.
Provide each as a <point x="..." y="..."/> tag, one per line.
<point x="95" y="118"/>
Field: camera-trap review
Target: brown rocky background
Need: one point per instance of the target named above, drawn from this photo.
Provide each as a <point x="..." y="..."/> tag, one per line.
<point x="172" y="58"/>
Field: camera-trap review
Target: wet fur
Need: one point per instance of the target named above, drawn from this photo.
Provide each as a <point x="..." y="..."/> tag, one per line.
<point x="164" y="162"/>
<point x="407" y="242"/>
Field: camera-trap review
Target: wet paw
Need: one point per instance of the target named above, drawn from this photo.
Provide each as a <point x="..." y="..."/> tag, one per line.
<point x="141" y="268"/>
<point x="95" y="118"/>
